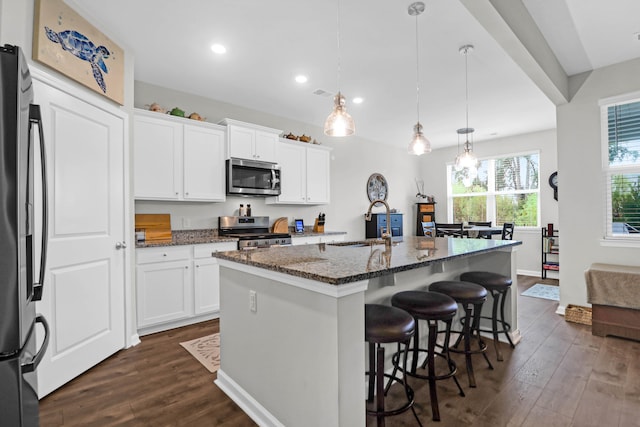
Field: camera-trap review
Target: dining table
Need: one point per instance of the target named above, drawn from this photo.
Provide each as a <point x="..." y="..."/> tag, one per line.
<point x="474" y="231"/>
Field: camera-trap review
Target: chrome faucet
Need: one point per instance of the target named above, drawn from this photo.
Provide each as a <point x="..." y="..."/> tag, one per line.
<point x="385" y="235"/>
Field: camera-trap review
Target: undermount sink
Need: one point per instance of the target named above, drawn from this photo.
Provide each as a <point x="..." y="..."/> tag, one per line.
<point x="359" y="243"/>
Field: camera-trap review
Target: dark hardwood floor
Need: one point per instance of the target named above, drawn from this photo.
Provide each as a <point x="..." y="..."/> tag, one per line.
<point x="559" y="375"/>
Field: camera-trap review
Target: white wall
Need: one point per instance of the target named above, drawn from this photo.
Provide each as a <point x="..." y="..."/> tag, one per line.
<point x="434" y="172"/>
<point x="582" y="200"/>
<point x="353" y="160"/>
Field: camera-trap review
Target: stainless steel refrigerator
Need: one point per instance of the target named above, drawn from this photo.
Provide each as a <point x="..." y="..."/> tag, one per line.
<point x="21" y="275"/>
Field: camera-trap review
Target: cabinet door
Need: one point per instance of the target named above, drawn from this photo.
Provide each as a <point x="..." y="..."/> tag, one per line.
<point x="318" y="173"/>
<point x="203" y="164"/>
<point x="157" y="159"/>
<point x="164" y="292"/>
<point x="241" y="141"/>
<point x="291" y="159"/>
<point x="265" y="146"/>
<point x="206" y="278"/>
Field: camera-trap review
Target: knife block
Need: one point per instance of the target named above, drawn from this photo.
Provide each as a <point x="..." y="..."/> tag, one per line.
<point x="318" y="227"/>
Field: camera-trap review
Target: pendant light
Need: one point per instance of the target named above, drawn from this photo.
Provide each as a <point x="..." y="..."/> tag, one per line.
<point x="419" y="144"/>
<point x="339" y="122"/>
<point x="466" y="160"/>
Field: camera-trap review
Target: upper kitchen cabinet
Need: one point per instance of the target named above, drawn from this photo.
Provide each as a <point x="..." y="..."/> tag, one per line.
<point x="305" y="174"/>
<point x="249" y="141"/>
<point x="177" y="159"/>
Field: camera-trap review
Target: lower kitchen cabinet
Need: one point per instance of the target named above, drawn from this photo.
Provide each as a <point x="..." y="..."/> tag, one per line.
<point x="177" y="285"/>
<point x="315" y="239"/>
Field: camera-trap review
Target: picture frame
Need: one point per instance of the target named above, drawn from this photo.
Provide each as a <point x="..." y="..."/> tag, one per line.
<point x="299" y="226"/>
<point x="71" y="45"/>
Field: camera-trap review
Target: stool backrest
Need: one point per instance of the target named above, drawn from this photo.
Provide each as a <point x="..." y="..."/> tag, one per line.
<point x="429" y="229"/>
<point x="449" y="229"/>
<point x="507" y="230"/>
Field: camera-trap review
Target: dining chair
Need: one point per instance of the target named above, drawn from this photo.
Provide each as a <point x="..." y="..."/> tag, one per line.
<point x="429" y="229"/>
<point x="449" y="229"/>
<point x="507" y="230"/>
<point x="482" y="234"/>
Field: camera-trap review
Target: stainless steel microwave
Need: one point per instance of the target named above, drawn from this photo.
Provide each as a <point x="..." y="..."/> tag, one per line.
<point x="251" y="177"/>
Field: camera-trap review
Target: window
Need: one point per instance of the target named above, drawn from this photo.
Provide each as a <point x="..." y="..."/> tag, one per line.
<point x="505" y="189"/>
<point x="621" y="140"/>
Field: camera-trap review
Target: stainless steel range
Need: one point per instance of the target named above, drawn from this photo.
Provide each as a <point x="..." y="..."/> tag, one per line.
<point x="251" y="232"/>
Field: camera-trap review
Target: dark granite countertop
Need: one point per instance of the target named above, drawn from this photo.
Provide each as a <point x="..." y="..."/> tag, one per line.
<point x="344" y="262"/>
<point x="189" y="237"/>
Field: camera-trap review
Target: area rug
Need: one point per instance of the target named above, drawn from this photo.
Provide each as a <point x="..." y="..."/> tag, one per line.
<point x="206" y="350"/>
<point x="543" y="291"/>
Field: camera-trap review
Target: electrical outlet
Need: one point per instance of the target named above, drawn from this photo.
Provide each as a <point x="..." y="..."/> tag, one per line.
<point x="253" y="301"/>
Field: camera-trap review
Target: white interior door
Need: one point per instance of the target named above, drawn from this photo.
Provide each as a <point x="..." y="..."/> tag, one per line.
<point x="83" y="297"/>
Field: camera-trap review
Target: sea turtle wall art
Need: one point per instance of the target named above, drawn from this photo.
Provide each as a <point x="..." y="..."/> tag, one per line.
<point x="67" y="42"/>
<point x="83" y="48"/>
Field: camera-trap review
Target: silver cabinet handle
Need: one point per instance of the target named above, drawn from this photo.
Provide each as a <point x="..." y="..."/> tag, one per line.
<point x="121" y="245"/>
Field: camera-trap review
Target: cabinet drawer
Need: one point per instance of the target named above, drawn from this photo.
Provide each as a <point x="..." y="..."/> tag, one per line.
<point x="204" y="251"/>
<point x="147" y="255"/>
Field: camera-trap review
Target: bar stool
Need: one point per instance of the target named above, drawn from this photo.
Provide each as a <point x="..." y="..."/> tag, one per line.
<point x="385" y="324"/>
<point x="498" y="285"/>
<point x="471" y="297"/>
<point x="432" y="307"/>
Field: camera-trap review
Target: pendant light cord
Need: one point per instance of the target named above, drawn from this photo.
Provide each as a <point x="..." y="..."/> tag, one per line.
<point x="338" y="41"/>
<point x="417" y="72"/>
<point x="466" y="87"/>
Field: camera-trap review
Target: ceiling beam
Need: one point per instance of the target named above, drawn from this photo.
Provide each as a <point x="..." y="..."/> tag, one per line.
<point x="511" y="25"/>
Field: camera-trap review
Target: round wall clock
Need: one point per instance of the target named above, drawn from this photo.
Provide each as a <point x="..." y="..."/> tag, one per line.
<point x="377" y="188"/>
<point x="553" y="182"/>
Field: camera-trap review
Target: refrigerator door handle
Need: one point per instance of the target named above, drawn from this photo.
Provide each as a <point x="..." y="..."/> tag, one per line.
<point x="35" y="361"/>
<point x="35" y="117"/>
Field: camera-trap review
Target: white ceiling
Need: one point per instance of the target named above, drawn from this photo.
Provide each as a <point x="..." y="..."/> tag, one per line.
<point x="269" y="42"/>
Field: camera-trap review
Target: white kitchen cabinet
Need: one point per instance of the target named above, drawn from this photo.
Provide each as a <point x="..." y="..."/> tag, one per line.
<point x="316" y="238"/>
<point x="305" y="174"/>
<point x="164" y="285"/>
<point x="206" y="276"/>
<point x="177" y="159"/>
<point x="250" y="141"/>
<point x="177" y="285"/>
<point x="318" y="175"/>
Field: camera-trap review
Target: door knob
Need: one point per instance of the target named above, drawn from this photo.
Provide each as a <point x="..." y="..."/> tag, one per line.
<point x="121" y="245"/>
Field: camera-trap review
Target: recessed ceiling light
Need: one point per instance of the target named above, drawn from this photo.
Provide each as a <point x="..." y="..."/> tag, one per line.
<point x="357" y="100"/>
<point x="301" y="79"/>
<point x="218" y="48"/>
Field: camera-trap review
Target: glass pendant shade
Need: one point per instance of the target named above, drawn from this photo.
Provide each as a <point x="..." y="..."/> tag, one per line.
<point x="419" y="144"/>
<point x="466" y="160"/>
<point x="339" y="122"/>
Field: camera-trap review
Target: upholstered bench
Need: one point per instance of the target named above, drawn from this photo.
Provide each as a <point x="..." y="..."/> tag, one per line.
<point x="614" y="293"/>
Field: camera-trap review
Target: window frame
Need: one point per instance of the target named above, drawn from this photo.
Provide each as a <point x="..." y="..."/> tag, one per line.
<point x="608" y="171"/>
<point x="491" y="205"/>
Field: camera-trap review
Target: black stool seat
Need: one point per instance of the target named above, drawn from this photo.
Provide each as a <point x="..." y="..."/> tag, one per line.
<point x="432" y="307"/>
<point x="498" y="285"/>
<point x="470" y="296"/>
<point x="462" y="292"/>
<point x="384" y="324"/>
<point x="487" y="279"/>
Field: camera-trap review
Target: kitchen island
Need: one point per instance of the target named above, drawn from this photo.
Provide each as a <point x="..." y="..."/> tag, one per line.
<point x="292" y="319"/>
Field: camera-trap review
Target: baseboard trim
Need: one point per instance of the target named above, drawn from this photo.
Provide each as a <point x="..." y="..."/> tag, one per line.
<point x="561" y="310"/>
<point x="248" y="404"/>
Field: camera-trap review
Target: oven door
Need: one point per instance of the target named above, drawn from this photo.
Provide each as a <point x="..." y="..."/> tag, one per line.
<point x="250" y="177"/>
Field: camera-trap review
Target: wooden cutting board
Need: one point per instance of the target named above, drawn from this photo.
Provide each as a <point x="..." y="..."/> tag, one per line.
<point x="157" y="227"/>
<point x="280" y="225"/>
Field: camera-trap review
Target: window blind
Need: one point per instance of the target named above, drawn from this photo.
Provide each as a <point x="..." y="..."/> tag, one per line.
<point x="622" y="173"/>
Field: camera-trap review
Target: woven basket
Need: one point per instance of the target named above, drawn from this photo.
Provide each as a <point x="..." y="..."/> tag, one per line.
<point x="577" y="314"/>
